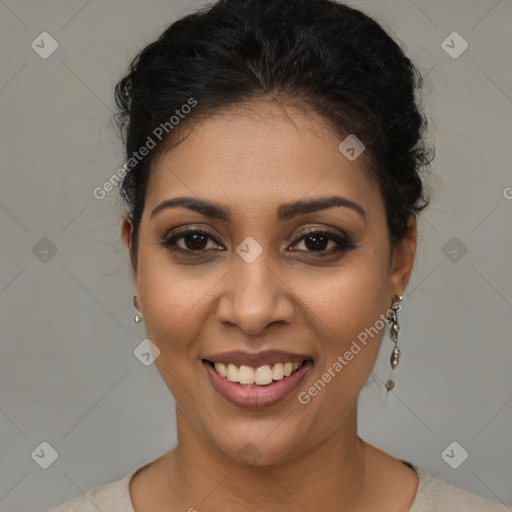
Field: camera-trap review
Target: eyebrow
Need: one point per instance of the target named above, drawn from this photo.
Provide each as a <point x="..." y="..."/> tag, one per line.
<point x="284" y="212"/>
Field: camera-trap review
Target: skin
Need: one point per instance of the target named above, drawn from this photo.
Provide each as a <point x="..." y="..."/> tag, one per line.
<point x="251" y="160"/>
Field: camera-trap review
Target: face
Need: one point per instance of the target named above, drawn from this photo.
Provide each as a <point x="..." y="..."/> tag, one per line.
<point x="246" y="274"/>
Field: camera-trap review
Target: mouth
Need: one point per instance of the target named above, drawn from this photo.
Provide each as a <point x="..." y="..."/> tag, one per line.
<point x="263" y="375"/>
<point x="260" y="384"/>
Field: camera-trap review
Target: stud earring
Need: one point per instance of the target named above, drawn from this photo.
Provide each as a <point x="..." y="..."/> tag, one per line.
<point x="394" y="329"/>
<point x="138" y="318"/>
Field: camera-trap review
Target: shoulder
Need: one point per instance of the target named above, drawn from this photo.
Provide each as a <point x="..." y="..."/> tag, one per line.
<point x="110" y="497"/>
<point x="436" y="495"/>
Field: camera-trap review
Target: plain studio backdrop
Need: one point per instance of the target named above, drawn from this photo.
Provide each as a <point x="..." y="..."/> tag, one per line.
<point x="71" y="386"/>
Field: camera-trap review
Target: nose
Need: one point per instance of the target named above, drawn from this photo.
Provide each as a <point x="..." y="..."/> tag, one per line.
<point x="254" y="296"/>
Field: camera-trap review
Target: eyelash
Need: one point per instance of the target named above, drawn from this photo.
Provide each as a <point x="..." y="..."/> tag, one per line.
<point x="343" y="243"/>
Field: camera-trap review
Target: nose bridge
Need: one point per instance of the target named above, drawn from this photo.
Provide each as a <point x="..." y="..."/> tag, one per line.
<point x="252" y="273"/>
<point x="254" y="296"/>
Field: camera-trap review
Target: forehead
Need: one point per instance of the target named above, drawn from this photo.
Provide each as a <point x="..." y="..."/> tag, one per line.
<point x="259" y="154"/>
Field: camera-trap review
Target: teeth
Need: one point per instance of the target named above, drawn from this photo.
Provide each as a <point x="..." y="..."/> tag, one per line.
<point x="263" y="375"/>
<point x="221" y="369"/>
<point x="232" y="373"/>
<point x="246" y="375"/>
<point x="278" y="371"/>
<point x="260" y="376"/>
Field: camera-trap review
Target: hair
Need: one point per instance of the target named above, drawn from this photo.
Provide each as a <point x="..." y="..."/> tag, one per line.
<point x="320" y="53"/>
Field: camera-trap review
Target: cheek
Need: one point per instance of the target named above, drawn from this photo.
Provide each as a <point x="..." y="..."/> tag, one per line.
<point x="349" y="300"/>
<point x="175" y="301"/>
<point x="174" y="317"/>
<point x="349" y="327"/>
<point x="351" y="332"/>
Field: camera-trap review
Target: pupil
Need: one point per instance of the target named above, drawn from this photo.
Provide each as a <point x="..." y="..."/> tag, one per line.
<point x="198" y="241"/>
<point x="316" y="245"/>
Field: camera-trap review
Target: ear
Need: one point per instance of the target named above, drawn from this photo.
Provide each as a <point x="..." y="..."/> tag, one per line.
<point x="127" y="236"/>
<point x="402" y="260"/>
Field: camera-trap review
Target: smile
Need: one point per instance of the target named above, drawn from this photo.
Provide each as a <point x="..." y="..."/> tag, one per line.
<point x="260" y="376"/>
<point x="257" y="383"/>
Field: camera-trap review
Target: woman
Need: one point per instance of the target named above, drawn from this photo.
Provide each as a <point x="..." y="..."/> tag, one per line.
<point x="273" y="180"/>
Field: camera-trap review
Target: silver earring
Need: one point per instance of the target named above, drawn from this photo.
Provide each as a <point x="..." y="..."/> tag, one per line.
<point x="394" y="329"/>
<point x="138" y="318"/>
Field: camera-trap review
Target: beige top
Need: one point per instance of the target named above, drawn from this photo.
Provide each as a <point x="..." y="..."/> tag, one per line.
<point x="433" y="495"/>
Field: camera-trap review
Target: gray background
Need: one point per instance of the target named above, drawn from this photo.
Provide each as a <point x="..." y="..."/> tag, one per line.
<point x="68" y="375"/>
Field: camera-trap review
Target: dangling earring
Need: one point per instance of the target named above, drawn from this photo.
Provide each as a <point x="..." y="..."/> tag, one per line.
<point x="394" y="328"/>
<point x="138" y="318"/>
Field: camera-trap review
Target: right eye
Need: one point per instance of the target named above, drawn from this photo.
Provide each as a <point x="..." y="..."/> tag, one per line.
<point x="195" y="241"/>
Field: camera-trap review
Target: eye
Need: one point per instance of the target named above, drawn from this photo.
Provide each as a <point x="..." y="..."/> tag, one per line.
<point x="317" y="241"/>
<point x="193" y="241"/>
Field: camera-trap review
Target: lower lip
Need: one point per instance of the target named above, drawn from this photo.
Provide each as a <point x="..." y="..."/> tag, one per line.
<point x="255" y="396"/>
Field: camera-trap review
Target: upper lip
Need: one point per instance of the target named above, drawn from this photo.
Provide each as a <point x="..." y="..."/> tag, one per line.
<point x="257" y="359"/>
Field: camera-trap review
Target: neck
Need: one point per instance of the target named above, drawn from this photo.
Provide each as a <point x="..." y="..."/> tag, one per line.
<point x="329" y="475"/>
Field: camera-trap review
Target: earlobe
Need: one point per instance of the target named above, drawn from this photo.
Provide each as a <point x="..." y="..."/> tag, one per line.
<point x="403" y="259"/>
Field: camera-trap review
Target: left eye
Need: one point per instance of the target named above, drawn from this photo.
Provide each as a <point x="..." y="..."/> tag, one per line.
<point x="317" y="240"/>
